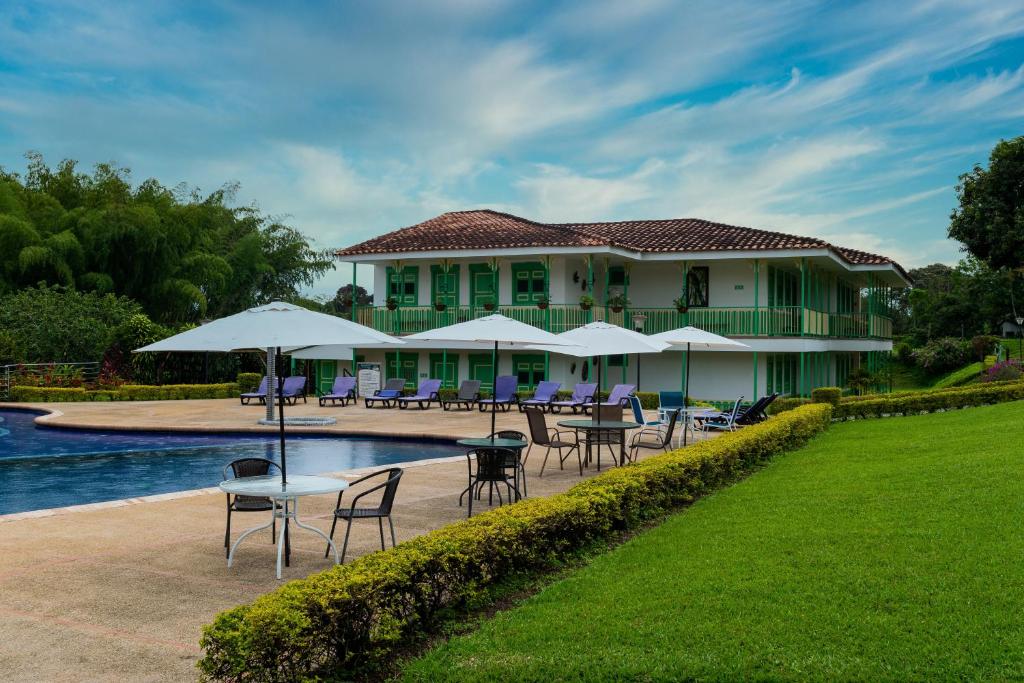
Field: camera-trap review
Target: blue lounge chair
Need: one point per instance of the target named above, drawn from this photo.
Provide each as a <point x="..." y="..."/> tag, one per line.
<point x="294" y="389"/>
<point x="260" y="394"/>
<point x="619" y="396"/>
<point x="425" y="394"/>
<point x="543" y="396"/>
<point x="388" y="395"/>
<point x="638" y="415"/>
<point x="669" y="402"/>
<point x="504" y="394"/>
<point x="344" y="390"/>
<point x="582" y="394"/>
<point x="723" y="421"/>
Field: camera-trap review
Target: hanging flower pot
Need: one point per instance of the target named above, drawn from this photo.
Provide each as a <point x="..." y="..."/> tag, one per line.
<point x="440" y="306"/>
<point x="488" y="305"/>
<point x="391" y="303"/>
<point x="586" y="302"/>
<point x="616" y="309"/>
<point x="543" y="302"/>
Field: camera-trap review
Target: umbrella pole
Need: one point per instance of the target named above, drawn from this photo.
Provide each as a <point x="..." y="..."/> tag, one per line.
<point x="278" y="364"/>
<point x="686" y="392"/>
<point x="494" y="388"/>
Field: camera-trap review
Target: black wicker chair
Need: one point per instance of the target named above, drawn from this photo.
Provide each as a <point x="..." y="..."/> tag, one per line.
<point x="517" y="463"/>
<point x="552" y="439"/>
<point x="491" y="468"/>
<point x="380" y="512"/>
<point x="248" y="467"/>
<point x="654" y="437"/>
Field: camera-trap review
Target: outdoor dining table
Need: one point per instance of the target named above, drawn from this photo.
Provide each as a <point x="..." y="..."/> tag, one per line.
<point x="271" y="486"/>
<point x="689" y="414"/>
<point x="516" y="445"/>
<point x="591" y="426"/>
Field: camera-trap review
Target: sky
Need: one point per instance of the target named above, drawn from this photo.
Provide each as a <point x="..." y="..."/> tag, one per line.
<point x="847" y="121"/>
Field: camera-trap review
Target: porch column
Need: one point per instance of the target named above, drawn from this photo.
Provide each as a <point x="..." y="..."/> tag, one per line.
<point x="686" y="321"/>
<point x="547" y="313"/>
<point x="590" y="286"/>
<point x="354" y="316"/>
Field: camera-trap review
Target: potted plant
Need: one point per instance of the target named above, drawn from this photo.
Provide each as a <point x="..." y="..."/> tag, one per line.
<point x="543" y="302"/>
<point x="586" y="302"/>
<point x="440" y="304"/>
<point x="617" y="302"/>
<point x="391" y="302"/>
<point x="488" y="305"/>
<point x="680" y="303"/>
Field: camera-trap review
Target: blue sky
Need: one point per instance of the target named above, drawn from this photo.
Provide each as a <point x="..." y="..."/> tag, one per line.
<point x="847" y="121"/>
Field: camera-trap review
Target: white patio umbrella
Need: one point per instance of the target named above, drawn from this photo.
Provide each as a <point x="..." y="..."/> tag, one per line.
<point x="271" y="327"/>
<point x="701" y="340"/>
<point x="604" y="339"/>
<point x="497" y="330"/>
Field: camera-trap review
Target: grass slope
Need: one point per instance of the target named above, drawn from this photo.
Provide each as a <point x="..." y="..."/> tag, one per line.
<point x="961" y="376"/>
<point x="884" y="550"/>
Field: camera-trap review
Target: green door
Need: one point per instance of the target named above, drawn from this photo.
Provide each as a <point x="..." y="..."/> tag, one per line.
<point x="480" y="368"/>
<point x="528" y="283"/>
<point x="326" y="371"/>
<point x="449" y="373"/>
<point x="529" y="371"/>
<point x="482" y="285"/>
<point x="444" y="286"/>
<point x="404" y="285"/>
<point x="409" y="369"/>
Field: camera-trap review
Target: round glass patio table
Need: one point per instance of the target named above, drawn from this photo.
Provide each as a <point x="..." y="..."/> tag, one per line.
<point x="591" y="426"/>
<point x="270" y="486"/>
<point x="516" y="445"/>
<point x="689" y="414"/>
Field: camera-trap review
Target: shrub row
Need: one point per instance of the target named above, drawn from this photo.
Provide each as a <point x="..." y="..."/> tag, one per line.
<point x="126" y="392"/>
<point x="786" y="403"/>
<point x="831" y="395"/>
<point x="248" y="381"/>
<point x="351" y="619"/>
<point x="904" y="394"/>
<point x="928" y="401"/>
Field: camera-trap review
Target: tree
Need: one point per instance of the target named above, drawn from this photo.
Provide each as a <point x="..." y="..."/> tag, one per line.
<point x="990" y="219"/>
<point x="341" y="304"/>
<point x="183" y="256"/>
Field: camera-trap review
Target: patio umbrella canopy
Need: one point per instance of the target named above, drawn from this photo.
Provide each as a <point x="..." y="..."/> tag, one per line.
<point x="271" y="327"/>
<point x="702" y="340"/>
<point x="496" y="330"/>
<point x="604" y="339"/>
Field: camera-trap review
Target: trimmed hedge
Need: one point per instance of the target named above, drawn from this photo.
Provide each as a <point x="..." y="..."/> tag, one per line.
<point x="827" y="395"/>
<point x="248" y="381"/>
<point x="352" y="618"/>
<point x="126" y="392"/>
<point x="929" y="401"/>
<point x="785" y="404"/>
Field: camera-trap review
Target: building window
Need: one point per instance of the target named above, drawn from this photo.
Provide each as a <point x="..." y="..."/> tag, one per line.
<point x="616" y="276"/>
<point x="697" y="287"/>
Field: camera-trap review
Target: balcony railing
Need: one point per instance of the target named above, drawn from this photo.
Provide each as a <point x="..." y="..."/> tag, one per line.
<point x="773" y="321"/>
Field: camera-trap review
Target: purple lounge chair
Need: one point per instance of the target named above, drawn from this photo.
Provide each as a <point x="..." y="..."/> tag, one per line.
<point x="344" y="390"/>
<point x="294" y="389"/>
<point x="425" y="394"/>
<point x="619" y="396"/>
<point x="388" y="395"/>
<point x="543" y="396"/>
<point x="582" y="394"/>
<point x="504" y="394"/>
<point x="260" y="394"/>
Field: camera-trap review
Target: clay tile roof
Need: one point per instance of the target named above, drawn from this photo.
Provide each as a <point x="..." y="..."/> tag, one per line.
<point x="486" y="229"/>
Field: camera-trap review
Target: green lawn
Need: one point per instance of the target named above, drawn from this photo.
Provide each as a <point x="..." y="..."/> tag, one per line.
<point x="885" y="550"/>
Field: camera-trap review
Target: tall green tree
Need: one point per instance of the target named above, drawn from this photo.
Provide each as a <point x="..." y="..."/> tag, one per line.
<point x="182" y="255"/>
<point x="990" y="219"/>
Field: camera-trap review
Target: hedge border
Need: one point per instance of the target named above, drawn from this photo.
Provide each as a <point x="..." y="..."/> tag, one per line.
<point x="930" y="401"/>
<point x="352" y="618"/>
<point x="126" y="392"/>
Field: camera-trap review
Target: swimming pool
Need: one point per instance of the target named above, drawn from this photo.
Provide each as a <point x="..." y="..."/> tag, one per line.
<point x="44" y="467"/>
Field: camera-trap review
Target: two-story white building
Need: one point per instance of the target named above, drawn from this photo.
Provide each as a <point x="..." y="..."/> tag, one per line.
<point x="809" y="311"/>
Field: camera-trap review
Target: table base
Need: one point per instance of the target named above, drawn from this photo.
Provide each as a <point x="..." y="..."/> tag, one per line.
<point x="287" y="511"/>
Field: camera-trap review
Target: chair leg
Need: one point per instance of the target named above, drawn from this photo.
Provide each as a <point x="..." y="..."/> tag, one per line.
<point x="522" y="473"/>
<point x="392" y="525"/>
<point x="227" y="533"/>
<point x="344" y="547"/>
<point x="334" y="524"/>
<point x="545" y="462"/>
<point x="380" y="525"/>
<point x="469" y="510"/>
<point x="526" y="455"/>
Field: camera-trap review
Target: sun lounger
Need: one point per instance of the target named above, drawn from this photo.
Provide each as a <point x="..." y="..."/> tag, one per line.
<point x="619" y="396"/>
<point x="504" y="394"/>
<point x="260" y="394"/>
<point x="344" y="390"/>
<point x="582" y="394"/>
<point x="425" y="394"/>
<point x="388" y="395"/>
<point x="543" y="396"/>
<point x="294" y="389"/>
<point x="469" y="394"/>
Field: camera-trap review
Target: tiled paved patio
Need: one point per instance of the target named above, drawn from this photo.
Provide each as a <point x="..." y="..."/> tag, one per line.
<point x="121" y="592"/>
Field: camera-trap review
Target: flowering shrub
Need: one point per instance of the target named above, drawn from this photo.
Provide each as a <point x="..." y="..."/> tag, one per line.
<point x="1001" y="372"/>
<point x="943" y="355"/>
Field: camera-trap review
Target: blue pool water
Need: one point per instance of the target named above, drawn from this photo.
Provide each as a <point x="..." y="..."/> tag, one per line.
<point x="43" y="467"/>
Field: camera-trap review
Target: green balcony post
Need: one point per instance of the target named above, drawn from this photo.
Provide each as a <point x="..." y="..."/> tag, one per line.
<point x="871" y="304"/>
<point x="803" y="374"/>
<point x="547" y="313"/>
<point x="590" y="286"/>
<point x="757" y="312"/>
<point x="803" y="298"/>
<point x="755" y="375"/>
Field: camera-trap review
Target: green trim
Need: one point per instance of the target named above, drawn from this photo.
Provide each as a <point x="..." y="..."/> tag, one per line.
<point x="451" y="286"/>
<point x="530" y="274"/>
<point x="398" y="285"/>
<point x="443" y="360"/>
<point x="480" y="367"/>
<point x="407" y="367"/>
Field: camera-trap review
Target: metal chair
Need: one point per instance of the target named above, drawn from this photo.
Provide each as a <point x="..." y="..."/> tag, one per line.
<point x="653" y="437"/>
<point x="490" y="469"/>
<point x="542" y="436"/>
<point x="519" y="460"/>
<point x="248" y="467"/>
<point x="607" y="413"/>
<point x="380" y="512"/>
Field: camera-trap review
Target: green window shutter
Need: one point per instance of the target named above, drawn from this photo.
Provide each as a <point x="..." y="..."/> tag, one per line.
<point x="528" y="283"/>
